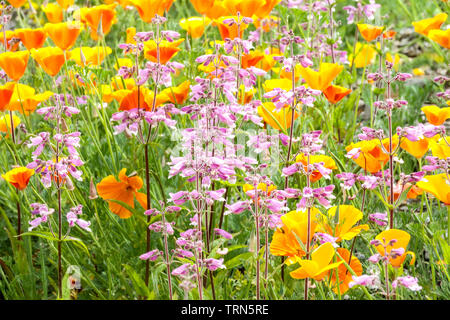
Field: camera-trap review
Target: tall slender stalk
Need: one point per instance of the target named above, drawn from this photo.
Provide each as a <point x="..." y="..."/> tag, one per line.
<point x="166" y="253"/>
<point x="308" y="233"/>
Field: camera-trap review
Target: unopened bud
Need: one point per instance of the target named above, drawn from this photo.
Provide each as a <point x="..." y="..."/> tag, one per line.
<point x="69" y="184"/>
<point x="92" y="191"/>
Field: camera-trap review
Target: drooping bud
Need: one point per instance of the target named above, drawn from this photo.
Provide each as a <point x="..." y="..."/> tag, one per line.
<point x="92" y="191"/>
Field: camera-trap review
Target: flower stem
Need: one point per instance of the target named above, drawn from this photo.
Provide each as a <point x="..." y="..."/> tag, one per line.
<point x="147" y="182"/>
<point x="19" y="222"/>
<point x="166" y="253"/>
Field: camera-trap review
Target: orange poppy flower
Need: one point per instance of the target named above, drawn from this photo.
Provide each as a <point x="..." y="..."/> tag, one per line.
<point x="279" y="120"/>
<point x="89" y="56"/>
<point x="413" y="193"/>
<point x="295" y="225"/>
<point x="53" y="12"/>
<point x="6" y="92"/>
<point x="31" y="38"/>
<point x="440" y="36"/>
<point x="389" y="34"/>
<point x="217" y="10"/>
<point x="227" y="31"/>
<point x="268" y="61"/>
<point x="246" y="96"/>
<point x="345" y="228"/>
<point x="369" y="32"/>
<point x="345" y="276"/>
<point x="167" y="50"/>
<point x="51" y="59"/>
<point x="320" y="80"/>
<point x="402" y="238"/>
<point x="436" y="185"/>
<point x="5" y="123"/>
<point x="14" y="63"/>
<point x="328" y="163"/>
<point x="11" y="45"/>
<point x="319" y="265"/>
<point x="25" y="100"/>
<point x="195" y="26"/>
<point x="92" y="17"/>
<point x="65" y="3"/>
<point x="264" y="10"/>
<point x="436" y="115"/>
<point x="247" y="8"/>
<point x="125" y="190"/>
<point x="123" y="3"/>
<point x="202" y="6"/>
<point x="63" y="34"/>
<point x="19" y="177"/>
<point x="178" y="94"/>
<point x="251" y="59"/>
<point x="426" y="25"/>
<point x="148" y="8"/>
<point x="334" y="94"/>
<point x="371" y="158"/>
<point x="17" y="3"/>
<point x="129" y="99"/>
<point x="418" y="148"/>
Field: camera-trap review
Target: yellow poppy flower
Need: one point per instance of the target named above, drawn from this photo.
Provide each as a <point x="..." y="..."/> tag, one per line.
<point x="437" y="185"/>
<point x="86" y="55"/>
<point x="295" y="225"/>
<point x="440" y="149"/>
<point x="25" y="100"/>
<point x="345" y="228"/>
<point x="319" y="265"/>
<point x="394" y="60"/>
<point x="5" y="123"/>
<point x="279" y="120"/>
<point x="426" y="25"/>
<point x="320" y="80"/>
<point x="271" y="84"/>
<point x="402" y="238"/>
<point x="364" y="55"/>
<point x="195" y="26"/>
<point x="440" y="36"/>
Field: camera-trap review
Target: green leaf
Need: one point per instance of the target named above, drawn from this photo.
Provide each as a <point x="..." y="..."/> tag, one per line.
<point x="238" y="260"/>
<point x="138" y="283"/>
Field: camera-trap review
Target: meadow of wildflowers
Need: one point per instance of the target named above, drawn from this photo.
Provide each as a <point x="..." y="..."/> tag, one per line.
<point x="224" y="149"/>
